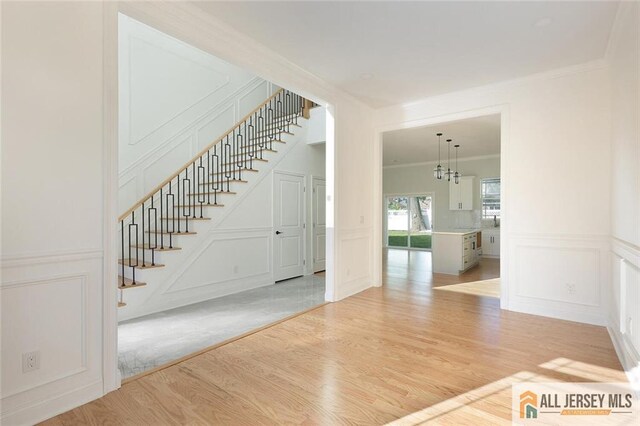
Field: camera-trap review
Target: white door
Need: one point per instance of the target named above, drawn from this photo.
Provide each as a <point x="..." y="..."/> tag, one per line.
<point x="288" y="221"/>
<point x="319" y="237"/>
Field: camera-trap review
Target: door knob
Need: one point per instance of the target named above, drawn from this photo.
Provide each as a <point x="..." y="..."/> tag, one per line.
<point x="278" y="232"/>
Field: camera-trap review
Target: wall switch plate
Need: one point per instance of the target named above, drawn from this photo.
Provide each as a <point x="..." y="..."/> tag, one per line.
<point x="30" y="361"/>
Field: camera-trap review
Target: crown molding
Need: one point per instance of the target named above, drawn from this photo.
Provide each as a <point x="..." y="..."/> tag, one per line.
<point x="426" y="163"/>
<point x="192" y="25"/>
<point x="507" y="84"/>
<point x="614" y="35"/>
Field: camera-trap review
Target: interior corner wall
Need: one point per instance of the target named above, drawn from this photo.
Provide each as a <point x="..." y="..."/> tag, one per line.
<point x="52" y="207"/>
<point x="555" y="222"/>
<point x="624" y="311"/>
<point x="418" y="179"/>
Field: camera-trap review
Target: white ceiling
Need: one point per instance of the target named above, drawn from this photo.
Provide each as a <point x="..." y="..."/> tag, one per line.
<point x="476" y="136"/>
<point x="386" y="53"/>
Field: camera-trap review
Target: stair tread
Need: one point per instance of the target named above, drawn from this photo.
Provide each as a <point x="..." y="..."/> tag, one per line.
<point x="213" y="193"/>
<point x="165" y="232"/>
<point x="148" y="247"/>
<point x="264" y="160"/>
<point x="230" y="180"/>
<point x="147" y="265"/>
<point x="182" y="206"/>
<point x="128" y="283"/>
<point x="273" y="133"/>
<point x="237" y="170"/>
<point x="284" y="124"/>
<point x="182" y="218"/>
<point x="263" y="149"/>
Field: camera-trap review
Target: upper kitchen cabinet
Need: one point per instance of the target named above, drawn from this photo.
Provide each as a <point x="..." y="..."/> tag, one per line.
<point x="461" y="194"/>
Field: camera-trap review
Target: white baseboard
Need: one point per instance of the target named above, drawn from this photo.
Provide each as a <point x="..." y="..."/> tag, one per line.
<point x="562" y="314"/>
<point x="43" y="410"/>
<point x="628" y="357"/>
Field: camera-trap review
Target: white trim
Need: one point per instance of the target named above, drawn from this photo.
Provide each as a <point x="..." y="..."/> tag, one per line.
<point x="110" y="373"/>
<point x="614" y="34"/>
<point x="503" y="110"/>
<point x="50" y="257"/>
<point x="629" y="358"/>
<point x="426" y="163"/>
<point x="510" y="84"/>
<point x="311" y="270"/>
<point x="58" y="404"/>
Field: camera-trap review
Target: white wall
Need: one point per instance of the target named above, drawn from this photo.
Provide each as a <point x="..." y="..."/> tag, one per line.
<point x="174" y="100"/>
<point x="52" y="206"/>
<point x="55" y="120"/>
<point x="624" y="314"/>
<point x="418" y="179"/>
<point x="233" y="251"/>
<point x="555" y="223"/>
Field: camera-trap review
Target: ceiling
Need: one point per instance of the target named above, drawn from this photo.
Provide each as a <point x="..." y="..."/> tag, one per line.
<point x="386" y="53"/>
<point x="477" y="137"/>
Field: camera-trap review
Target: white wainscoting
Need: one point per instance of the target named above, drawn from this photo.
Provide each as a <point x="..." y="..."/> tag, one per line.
<point x="240" y="234"/>
<point x="174" y="100"/>
<point x="560" y="276"/>
<point x="624" y="303"/>
<point x="227" y="261"/>
<point x="51" y="304"/>
<point x="354" y="270"/>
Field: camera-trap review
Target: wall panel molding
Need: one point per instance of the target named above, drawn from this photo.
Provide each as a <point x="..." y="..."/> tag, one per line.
<point x="36" y="258"/>
<point x="208" y="105"/>
<point x="65" y="288"/>
<point x="624" y="307"/>
<point x="562" y="276"/>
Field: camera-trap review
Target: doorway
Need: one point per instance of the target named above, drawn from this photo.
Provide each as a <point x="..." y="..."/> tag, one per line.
<point x="457" y="162"/>
<point x="409" y="221"/>
<point x="319" y="223"/>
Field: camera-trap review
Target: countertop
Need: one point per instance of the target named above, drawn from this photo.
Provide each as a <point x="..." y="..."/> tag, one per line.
<point x="457" y="231"/>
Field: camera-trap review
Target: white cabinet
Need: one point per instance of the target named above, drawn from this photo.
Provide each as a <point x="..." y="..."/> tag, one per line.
<point x="454" y="252"/>
<point x="461" y="194"/>
<point x="491" y="242"/>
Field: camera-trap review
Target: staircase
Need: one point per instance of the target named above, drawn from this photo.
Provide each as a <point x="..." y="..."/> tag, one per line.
<point x="194" y="193"/>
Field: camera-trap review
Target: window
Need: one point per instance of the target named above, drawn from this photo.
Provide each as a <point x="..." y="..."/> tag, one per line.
<point x="490" y="198"/>
<point x="409" y="221"/>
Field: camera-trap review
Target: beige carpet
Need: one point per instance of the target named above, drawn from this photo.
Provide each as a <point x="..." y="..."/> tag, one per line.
<point x="490" y="288"/>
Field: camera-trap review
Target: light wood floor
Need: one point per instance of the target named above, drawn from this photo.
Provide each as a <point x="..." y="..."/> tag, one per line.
<point x="401" y="353"/>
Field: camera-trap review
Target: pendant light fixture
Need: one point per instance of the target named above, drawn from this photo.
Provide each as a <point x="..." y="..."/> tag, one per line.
<point x="448" y="160"/>
<point x="437" y="172"/>
<point x="456" y="175"/>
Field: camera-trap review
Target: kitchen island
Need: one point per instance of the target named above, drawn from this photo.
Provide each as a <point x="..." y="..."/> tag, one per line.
<point x="454" y="251"/>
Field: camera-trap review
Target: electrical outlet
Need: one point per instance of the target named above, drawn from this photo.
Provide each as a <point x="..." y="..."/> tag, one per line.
<point x="235" y="269"/>
<point x="361" y="219"/>
<point x="30" y="361"/>
<point x="571" y="288"/>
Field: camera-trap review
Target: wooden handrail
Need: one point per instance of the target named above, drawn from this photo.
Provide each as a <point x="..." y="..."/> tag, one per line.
<point x="207" y="148"/>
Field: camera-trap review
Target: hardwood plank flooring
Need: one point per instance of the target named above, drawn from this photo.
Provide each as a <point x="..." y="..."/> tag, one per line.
<point x="400" y="354"/>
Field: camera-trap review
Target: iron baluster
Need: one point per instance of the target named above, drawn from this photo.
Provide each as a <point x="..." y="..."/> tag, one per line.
<point x="178" y="205"/>
<point x="122" y="248"/>
<point x="143" y="232"/>
<point x="186" y="206"/>
<point x="155" y="238"/>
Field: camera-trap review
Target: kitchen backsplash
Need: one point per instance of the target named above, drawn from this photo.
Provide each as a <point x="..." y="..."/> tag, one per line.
<point x="466" y="219"/>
